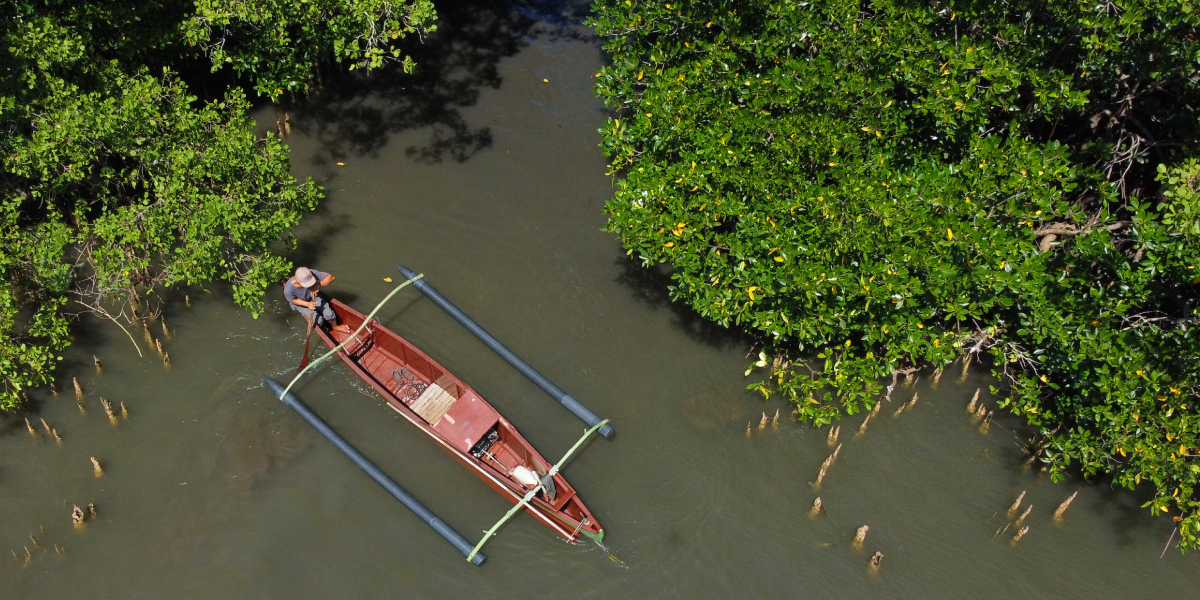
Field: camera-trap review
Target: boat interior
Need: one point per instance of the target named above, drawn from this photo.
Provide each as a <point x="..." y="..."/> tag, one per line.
<point x="453" y="410"/>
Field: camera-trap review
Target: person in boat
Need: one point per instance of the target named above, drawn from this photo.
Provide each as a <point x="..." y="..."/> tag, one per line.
<point x="303" y="293"/>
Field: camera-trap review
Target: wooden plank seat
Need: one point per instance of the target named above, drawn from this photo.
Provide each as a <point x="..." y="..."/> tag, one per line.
<point x="433" y="403"/>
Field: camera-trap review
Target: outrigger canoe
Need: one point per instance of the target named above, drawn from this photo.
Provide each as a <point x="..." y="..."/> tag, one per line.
<point x="461" y="422"/>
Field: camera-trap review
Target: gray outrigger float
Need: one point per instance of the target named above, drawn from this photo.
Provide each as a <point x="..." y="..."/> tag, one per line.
<point x="459" y="420"/>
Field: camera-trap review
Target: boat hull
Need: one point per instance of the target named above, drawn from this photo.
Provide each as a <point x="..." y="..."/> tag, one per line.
<point x="460" y="421"/>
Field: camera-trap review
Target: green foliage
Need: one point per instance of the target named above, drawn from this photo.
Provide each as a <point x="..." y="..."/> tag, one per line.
<point x="280" y="42"/>
<point x="893" y="185"/>
<point x="1181" y="206"/>
<point x="116" y="182"/>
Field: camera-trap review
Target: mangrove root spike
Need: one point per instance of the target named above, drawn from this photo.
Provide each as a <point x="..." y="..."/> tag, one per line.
<point x="876" y="560"/>
<point x="1021" y="519"/>
<point x="1012" y="510"/>
<point x="860" y="536"/>
<point x="1020" y="534"/>
<point x="1062" y="508"/>
<point x="913" y="401"/>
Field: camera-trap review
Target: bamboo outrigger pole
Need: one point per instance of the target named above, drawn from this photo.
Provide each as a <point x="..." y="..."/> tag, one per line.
<point x="444" y="530"/>
<point x="572" y="404"/>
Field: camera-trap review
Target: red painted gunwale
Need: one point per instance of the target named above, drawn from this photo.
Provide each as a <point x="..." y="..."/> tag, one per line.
<point x="379" y="351"/>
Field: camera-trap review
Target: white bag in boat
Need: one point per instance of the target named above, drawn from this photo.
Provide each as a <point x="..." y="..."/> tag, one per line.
<point x="525" y="476"/>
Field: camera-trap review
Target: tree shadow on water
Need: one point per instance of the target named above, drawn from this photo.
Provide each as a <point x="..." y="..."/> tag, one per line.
<point x="356" y="113"/>
<point x="649" y="285"/>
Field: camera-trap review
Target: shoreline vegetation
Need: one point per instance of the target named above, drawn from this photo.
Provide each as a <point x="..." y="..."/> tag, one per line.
<point x="875" y="188"/>
<point x="129" y="164"/>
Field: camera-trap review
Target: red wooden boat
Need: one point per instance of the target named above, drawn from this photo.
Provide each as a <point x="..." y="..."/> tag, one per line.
<point x="460" y="421"/>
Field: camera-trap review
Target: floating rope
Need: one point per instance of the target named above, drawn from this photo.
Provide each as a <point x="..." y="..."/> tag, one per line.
<point x="525" y="501"/>
<point x="352" y="336"/>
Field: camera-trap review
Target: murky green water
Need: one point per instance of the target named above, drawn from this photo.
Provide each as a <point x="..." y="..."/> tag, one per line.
<point x="488" y="179"/>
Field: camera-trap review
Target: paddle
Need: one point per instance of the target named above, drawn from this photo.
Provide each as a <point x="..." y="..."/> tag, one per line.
<point x="312" y="316"/>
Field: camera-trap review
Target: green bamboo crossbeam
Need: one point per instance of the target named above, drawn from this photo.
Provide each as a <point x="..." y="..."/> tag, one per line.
<point x="525" y="501"/>
<point x="352" y="335"/>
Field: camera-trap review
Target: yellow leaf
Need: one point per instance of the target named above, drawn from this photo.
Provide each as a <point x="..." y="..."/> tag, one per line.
<point x="1182" y="449"/>
<point x="949" y="234"/>
<point x="640" y="75"/>
<point x="778" y="259"/>
<point x="545" y="81"/>
<point x="387" y="279"/>
<point x="341" y="164"/>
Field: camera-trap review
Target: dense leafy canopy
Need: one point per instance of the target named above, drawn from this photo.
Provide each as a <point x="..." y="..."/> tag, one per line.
<point x="115" y="180"/>
<point x="893" y="185"/>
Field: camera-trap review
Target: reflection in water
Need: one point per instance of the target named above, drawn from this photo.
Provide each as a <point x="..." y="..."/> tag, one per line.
<point x="713" y="408"/>
<point x="257" y="442"/>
